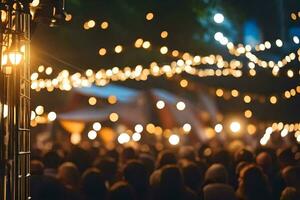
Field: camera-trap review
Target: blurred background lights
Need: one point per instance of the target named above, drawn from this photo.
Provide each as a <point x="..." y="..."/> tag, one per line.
<point x="160" y="104"/>
<point x="97" y="126"/>
<point x="39" y="110"/>
<point x="164" y="34"/>
<point x="136" y="137"/>
<point x="32" y="115"/>
<point x="187" y="127"/>
<point x="296" y="40"/>
<point x="104" y="25"/>
<point x="235" y="126"/>
<point x="218" y="36"/>
<point x="180" y="105"/>
<point x="75" y="138"/>
<point x="92" y="135"/>
<point x="51" y="116"/>
<point x="5" y="111"/>
<point x="138" y="128"/>
<point x="279" y="43"/>
<point x="174" y="139"/>
<point x="92" y="101"/>
<point x="149" y="16"/>
<point x="218" y="18"/>
<point x="113" y="117"/>
<point x="284" y="132"/>
<point x="218" y="128"/>
<point x="123" y="138"/>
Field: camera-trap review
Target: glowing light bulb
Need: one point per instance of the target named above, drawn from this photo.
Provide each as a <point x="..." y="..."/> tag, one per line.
<point x="174" y="139"/>
<point x="235" y="126"/>
<point x="218" y="18"/>
<point x="92" y="135"/>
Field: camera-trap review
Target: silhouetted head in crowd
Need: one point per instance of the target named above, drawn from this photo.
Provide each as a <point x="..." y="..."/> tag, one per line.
<point x="69" y="175"/>
<point x="108" y="167"/>
<point x="187" y="152"/>
<point x="148" y="161"/>
<point x="36" y="167"/>
<point x="216" y="173"/>
<point x="52" y="160"/>
<point x="127" y="154"/>
<point x="291" y="176"/>
<point x="80" y="158"/>
<point x="243" y="155"/>
<point x="218" y="191"/>
<point x="113" y="154"/>
<point x="121" y="191"/>
<point x="264" y="160"/>
<point x="136" y="175"/>
<point x="289" y="193"/>
<point x="166" y="157"/>
<point x="48" y="189"/>
<point x="222" y="157"/>
<point x="205" y="152"/>
<point x="193" y="175"/>
<point x="93" y="185"/>
<point x="171" y="180"/>
<point x="286" y="158"/>
<point x="253" y="184"/>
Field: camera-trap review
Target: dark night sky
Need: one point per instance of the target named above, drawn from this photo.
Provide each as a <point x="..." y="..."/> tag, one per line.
<point x="70" y="46"/>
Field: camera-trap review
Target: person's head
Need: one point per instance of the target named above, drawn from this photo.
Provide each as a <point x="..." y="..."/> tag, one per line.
<point x="166" y="157"/>
<point x="171" y="180"/>
<point x="120" y="191"/>
<point x="37" y="167"/>
<point x="264" y="160"/>
<point x="93" y="184"/>
<point x="291" y="176"/>
<point x="136" y="175"/>
<point x="52" y="160"/>
<point x="149" y="162"/>
<point x="193" y="175"/>
<point x="216" y="173"/>
<point x="69" y="175"/>
<point x="128" y="153"/>
<point x="286" y="157"/>
<point x="243" y="155"/>
<point x="80" y="157"/>
<point x="253" y="183"/>
<point x="48" y="189"/>
<point x="108" y="167"/>
<point x="187" y="152"/>
<point x="289" y="193"/>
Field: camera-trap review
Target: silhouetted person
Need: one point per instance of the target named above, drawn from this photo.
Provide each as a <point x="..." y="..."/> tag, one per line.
<point x="166" y="157"/>
<point x="253" y="184"/>
<point x="136" y="175"/>
<point x="93" y="185"/>
<point x="121" y="191"/>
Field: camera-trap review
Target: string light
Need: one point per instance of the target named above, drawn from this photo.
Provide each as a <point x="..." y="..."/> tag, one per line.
<point x="149" y="16"/>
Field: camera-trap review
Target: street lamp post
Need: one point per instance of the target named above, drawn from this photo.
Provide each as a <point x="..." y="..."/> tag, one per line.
<point x="14" y="100"/>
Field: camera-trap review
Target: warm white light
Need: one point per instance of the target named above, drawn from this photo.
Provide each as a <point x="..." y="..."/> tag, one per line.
<point x="123" y="138"/>
<point x="39" y="110"/>
<point x="136" y="137"/>
<point x="5" y="111"/>
<point x="218" y="18"/>
<point x="235" y="127"/>
<point x="187" y="127"/>
<point x="296" y="40"/>
<point x="35" y="3"/>
<point x="92" y="135"/>
<point x="279" y="43"/>
<point x="218" y="128"/>
<point x="15" y="57"/>
<point x="218" y="36"/>
<point x="174" y="139"/>
<point x="138" y="128"/>
<point x="75" y="138"/>
<point x="32" y="115"/>
<point x="284" y="132"/>
<point x="97" y="126"/>
<point x="51" y="116"/>
<point x="180" y="105"/>
<point x="160" y="104"/>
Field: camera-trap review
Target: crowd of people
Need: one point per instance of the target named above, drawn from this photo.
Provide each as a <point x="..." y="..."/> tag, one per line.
<point x="182" y="173"/>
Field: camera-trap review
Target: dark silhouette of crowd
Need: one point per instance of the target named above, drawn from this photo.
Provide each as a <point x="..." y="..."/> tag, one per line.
<point x="181" y="173"/>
